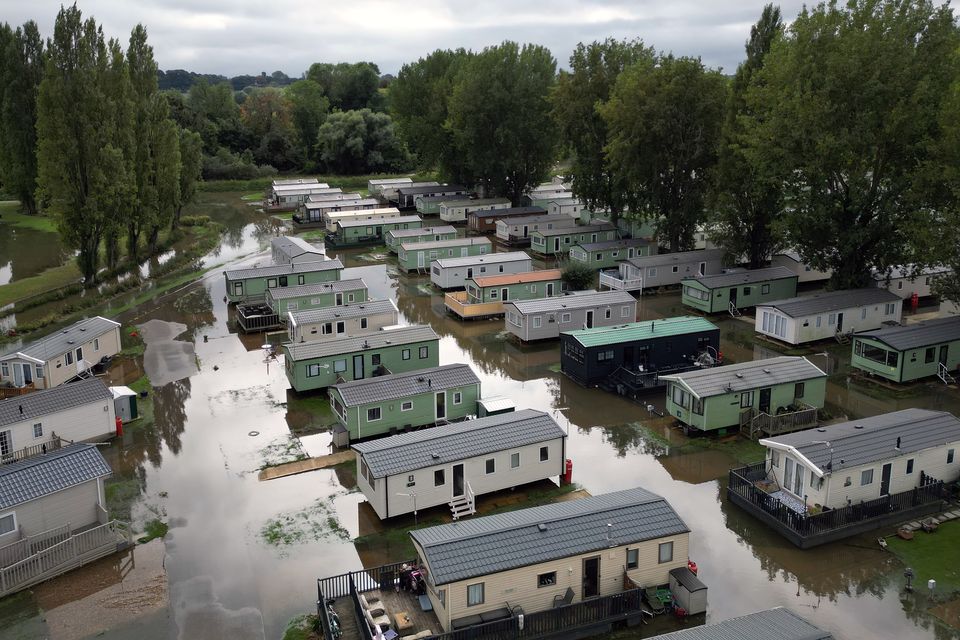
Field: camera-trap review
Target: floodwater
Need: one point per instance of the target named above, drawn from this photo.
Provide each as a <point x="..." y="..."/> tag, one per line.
<point x="197" y="469"/>
<point x="26" y="252"/>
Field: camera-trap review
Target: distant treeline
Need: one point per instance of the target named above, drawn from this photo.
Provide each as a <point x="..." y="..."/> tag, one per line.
<point x="182" y="80"/>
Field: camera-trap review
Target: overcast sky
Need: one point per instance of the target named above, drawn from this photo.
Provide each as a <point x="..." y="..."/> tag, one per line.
<point x="233" y="37"/>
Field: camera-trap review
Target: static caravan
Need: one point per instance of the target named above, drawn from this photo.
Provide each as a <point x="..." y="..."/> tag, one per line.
<point x="395" y="237"/>
<point x="865" y="459"/>
<point x="663" y="270"/>
<point x="516" y="231"/>
<point x="484" y="296"/>
<point x="570" y="552"/>
<point x="430" y="205"/>
<point x="291" y="250"/>
<point x="331" y="218"/>
<point x="316" y="296"/>
<point x="558" y="241"/>
<point x="418" y="255"/>
<point x="638" y="352"/>
<point x="458" y="210"/>
<point x="82" y="411"/>
<point x="906" y="281"/>
<point x="542" y="195"/>
<point x="291" y="195"/>
<point x="607" y="254"/>
<point x="407" y="196"/>
<point x="347" y="321"/>
<point x="726" y="292"/>
<point x="569" y="206"/>
<point x="289" y="181"/>
<point x="360" y="232"/>
<point x="402" y="401"/>
<point x="317" y="365"/>
<point x="378" y="187"/>
<point x="541" y="319"/>
<point x="53" y="505"/>
<point x="332" y="195"/>
<point x="453" y="273"/>
<point x="62" y="355"/>
<point x="391" y="195"/>
<point x="911" y="352"/>
<point x="754" y="626"/>
<point x="825" y="315"/>
<point x="771" y="396"/>
<point x="790" y="259"/>
<point x="486" y="221"/>
<point x="253" y="282"/>
<point x="454" y="463"/>
<point x="311" y="211"/>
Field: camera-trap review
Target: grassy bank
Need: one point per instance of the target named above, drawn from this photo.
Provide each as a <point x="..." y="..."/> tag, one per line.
<point x="10" y="215"/>
<point x="932" y="555"/>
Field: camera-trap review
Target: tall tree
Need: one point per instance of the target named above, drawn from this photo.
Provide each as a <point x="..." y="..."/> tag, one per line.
<point x="664" y="125"/>
<point x="308" y="109"/>
<point x="217" y="116"/>
<point x="419" y="102"/>
<point x="848" y="108"/>
<point x="191" y="163"/>
<point x="500" y="118"/>
<point x="165" y="169"/>
<point x="78" y="156"/>
<point x="119" y="126"/>
<point x="360" y="141"/>
<point x="143" y="83"/>
<point x="348" y="86"/>
<point x="594" y="68"/>
<point x="23" y="61"/>
<point x="747" y="200"/>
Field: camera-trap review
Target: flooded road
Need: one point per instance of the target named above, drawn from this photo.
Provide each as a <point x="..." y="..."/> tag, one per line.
<point x="242" y="556"/>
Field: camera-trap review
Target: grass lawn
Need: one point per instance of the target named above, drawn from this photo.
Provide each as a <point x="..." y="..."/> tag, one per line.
<point x="49" y="280"/>
<point x="9" y="214"/>
<point x="743" y="450"/>
<point x="932" y="555"/>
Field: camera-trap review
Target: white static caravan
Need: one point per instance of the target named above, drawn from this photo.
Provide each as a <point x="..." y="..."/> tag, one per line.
<point x="458" y="210"/>
<point x="294" y="194"/>
<point x="453" y="273"/>
<point x="664" y="269"/>
<point x="546" y="318"/>
<point x="865" y="459"/>
<point x="331" y="218"/>
<point x="567" y="207"/>
<point x="451" y="464"/>
<point x="82" y="411"/>
<point x="517" y="230"/>
<point x="904" y="282"/>
<point x="294" y="250"/>
<point x="804" y="272"/>
<point x="347" y="321"/>
<point x="380" y="188"/>
<point x="289" y="181"/>
<point x="823" y="315"/>
<point x="333" y="193"/>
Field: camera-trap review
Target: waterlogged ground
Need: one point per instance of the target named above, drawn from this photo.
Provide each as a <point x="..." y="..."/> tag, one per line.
<point x="242" y="556"/>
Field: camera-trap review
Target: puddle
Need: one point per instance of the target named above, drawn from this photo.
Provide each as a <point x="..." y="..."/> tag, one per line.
<point x="166" y="360"/>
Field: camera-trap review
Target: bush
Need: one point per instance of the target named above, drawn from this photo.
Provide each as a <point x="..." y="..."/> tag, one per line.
<point x="578" y="276"/>
<point x="194" y="221"/>
<point x="230" y="166"/>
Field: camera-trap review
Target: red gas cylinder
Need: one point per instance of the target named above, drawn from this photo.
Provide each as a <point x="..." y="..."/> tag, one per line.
<point x="119" y="427"/>
<point x="692" y="566"/>
<point x="568" y="472"/>
<point x="914" y="301"/>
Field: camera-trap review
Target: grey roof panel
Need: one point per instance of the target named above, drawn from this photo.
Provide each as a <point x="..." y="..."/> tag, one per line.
<point x="747" y="375"/>
<point x="403" y="385"/>
<point x="293" y="246"/>
<point x="614" y="244"/>
<point x="583" y="228"/>
<point x="544" y="217"/>
<point x="41" y="475"/>
<point x="47" y="401"/>
<point x="874" y="439"/>
<point x="424" y="231"/>
<point x="378" y="340"/>
<point x="509" y="212"/>
<point x="300" y="290"/>
<point x="909" y="272"/>
<point x="434" y="188"/>
<point x="744" y="277"/>
<point x="918" y="334"/>
<point x="441" y="244"/>
<point x="457" y="441"/>
<point x="772" y="624"/>
<point x="68" y="338"/>
<point x="491" y="544"/>
<point x="583" y="300"/>
<point x="372" y="222"/>
<point x="825" y="301"/>
<point x="487" y="258"/>
<point x="283" y="269"/>
<point x="344" y="311"/>
<point x="681" y="257"/>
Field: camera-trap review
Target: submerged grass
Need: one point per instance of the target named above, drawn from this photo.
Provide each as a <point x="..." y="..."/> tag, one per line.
<point x="152" y="530"/>
<point x="317" y="521"/>
<point x="303" y="627"/>
<point x="932" y="556"/>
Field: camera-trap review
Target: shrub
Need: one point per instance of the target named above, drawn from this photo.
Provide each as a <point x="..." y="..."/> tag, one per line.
<point x="578" y="276"/>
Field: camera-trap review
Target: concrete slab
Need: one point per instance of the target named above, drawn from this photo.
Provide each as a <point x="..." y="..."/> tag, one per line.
<point x="303" y="466"/>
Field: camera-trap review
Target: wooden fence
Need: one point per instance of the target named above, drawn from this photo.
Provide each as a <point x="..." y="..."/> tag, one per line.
<point x="52" y="444"/>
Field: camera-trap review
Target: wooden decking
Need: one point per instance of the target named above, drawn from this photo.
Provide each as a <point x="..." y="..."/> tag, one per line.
<point x="458" y="303"/>
<point x="303" y="466"/>
<point x="754" y="425"/>
<point x="392" y="602"/>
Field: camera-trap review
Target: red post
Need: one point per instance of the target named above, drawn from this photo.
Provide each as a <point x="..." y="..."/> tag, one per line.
<point x="914" y="302"/>
<point x="119" y="427"/>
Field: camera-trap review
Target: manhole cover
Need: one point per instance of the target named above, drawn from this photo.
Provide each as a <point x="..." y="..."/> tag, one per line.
<point x="253" y="434"/>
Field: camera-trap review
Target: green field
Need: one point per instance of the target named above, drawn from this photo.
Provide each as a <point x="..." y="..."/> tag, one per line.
<point x="932" y="555"/>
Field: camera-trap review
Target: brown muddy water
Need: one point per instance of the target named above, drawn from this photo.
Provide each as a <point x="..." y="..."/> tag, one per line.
<point x="243" y="556"/>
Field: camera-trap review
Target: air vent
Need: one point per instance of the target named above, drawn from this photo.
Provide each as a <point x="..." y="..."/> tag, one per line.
<point x="69" y="341"/>
<point x="435" y="456"/>
<point x="83" y="328"/>
<point x="822" y="430"/>
<point x="542" y="527"/>
<point x="739" y="375"/>
<point x="766" y="370"/>
<point x="858" y="426"/>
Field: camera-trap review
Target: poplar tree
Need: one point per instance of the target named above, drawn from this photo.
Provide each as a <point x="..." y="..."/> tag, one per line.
<point x="22" y="70"/>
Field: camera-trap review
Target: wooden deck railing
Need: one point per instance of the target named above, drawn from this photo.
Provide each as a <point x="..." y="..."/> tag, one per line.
<point x="459" y="303"/>
<point x="54" y="443"/>
<point x="799" y="526"/>
<point x="612" y="280"/>
<point x="13" y="392"/>
<point x="754" y="424"/>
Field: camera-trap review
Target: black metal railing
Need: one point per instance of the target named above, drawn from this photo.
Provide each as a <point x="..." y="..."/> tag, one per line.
<point x="741" y="484"/>
<point x="382" y="577"/>
<point x="323" y="614"/>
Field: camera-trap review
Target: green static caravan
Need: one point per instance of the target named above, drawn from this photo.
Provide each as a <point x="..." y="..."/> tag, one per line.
<point x="418" y="255"/>
<point x="738" y="290"/>
<point x="316" y="296"/>
<point x="360" y="232"/>
<point x="253" y="283"/>
<point x="733" y="395"/>
<point x="559" y="241"/>
<point x="399" y="401"/>
<point x="606" y="254"/>
<point x="911" y="352"/>
<point x="458" y="210"/>
<point x="395" y="237"/>
<point x="529" y="285"/>
<point x="317" y="365"/>
<point x="291" y="249"/>
<point x="430" y="205"/>
<point x="347" y="321"/>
